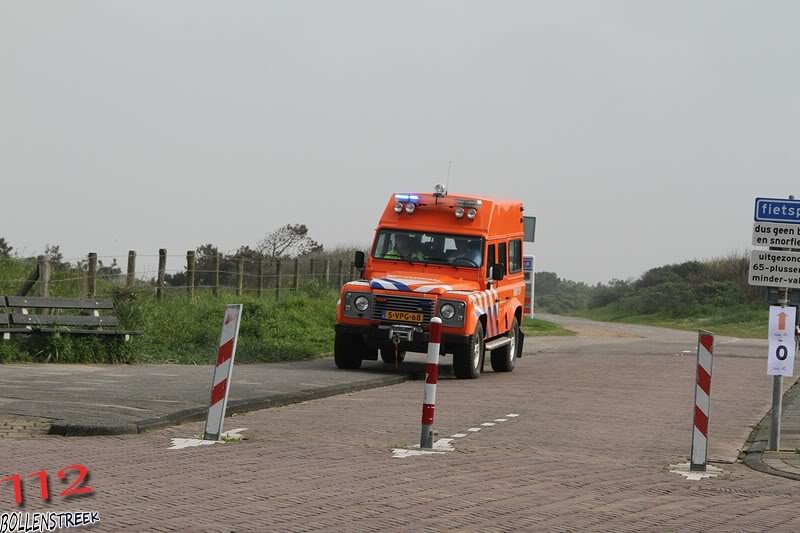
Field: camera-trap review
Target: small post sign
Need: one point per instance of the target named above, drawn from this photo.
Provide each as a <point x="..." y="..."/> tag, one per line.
<point x="529" y="270"/>
<point x="781" y="341"/>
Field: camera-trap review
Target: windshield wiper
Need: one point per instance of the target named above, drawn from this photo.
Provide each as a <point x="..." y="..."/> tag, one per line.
<point x="442" y="261"/>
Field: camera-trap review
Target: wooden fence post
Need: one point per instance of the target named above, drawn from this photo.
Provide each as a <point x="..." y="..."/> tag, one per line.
<point x="44" y="276"/>
<point x="162" y="270"/>
<point x="327" y="272"/>
<point x="131" y="278"/>
<point x="215" y="275"/>
<point x="190" y="273"/>
<point x="340" y="274"/>
<point x="296" y="282"/>
<point x="240" y="277"/>
<point x="352" y="271"/>
<point x="260" y="286"/>
<point x="30" y="282"/>
<point x="91" y="275"/>
<point x="312" y="270"/>
<point x="278" y="280"/>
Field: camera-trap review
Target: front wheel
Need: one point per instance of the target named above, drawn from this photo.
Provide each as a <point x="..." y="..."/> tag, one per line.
<point x="468" y="360"/>
<point x="504" y="358"/>
<point x="347" y="349"/>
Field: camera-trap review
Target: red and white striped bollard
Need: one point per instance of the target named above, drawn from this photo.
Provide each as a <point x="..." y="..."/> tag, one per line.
<point x="221" y="383"/>
<point x="431" y="377"/>
<point x="702" y="401"/>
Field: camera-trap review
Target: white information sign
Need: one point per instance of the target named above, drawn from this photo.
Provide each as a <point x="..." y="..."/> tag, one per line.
<point x="780" y="361"/>
<point x="769" y="268"/>
<point x="776" y="235"/>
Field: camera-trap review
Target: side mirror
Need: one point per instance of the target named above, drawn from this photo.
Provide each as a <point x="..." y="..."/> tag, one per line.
<point x="529" y="228"/>
<point x="359" y="261"/>
<point x="498" y="272"/>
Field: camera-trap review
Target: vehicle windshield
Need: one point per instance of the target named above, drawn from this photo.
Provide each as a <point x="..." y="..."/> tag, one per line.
<point x="423" y="247"/>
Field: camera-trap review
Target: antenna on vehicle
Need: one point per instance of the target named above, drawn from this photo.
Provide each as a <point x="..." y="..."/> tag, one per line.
<point x="450" y="164"/>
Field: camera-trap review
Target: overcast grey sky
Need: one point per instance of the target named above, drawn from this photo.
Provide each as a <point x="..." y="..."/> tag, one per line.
<point x="637" y="132"/>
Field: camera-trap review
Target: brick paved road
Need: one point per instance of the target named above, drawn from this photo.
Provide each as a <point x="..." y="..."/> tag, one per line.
<point x="590" y="450"/>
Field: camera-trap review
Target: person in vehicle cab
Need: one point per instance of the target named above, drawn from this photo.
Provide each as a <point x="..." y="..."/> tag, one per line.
<point x="468" y="251"/>
<point x="404" y="248"/>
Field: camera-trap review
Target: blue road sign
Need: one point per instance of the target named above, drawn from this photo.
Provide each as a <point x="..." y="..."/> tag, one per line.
<point x="777" y="210"/>
<point x="527" y="264"/>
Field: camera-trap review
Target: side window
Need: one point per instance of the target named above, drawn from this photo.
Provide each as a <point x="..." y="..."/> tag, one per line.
<point x="501" y="255"/>
<point x="489" y="259"/>
<point x="515" y="256"/>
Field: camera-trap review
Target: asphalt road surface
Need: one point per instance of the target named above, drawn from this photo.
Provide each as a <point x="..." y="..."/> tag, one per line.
<point x="601" y="419"/>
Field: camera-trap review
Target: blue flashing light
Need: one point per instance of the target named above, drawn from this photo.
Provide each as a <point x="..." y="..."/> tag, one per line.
<point x="407" y="198"/>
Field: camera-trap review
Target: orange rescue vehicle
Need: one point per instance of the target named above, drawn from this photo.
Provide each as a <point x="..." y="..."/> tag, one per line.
<point x="457" y="257"/>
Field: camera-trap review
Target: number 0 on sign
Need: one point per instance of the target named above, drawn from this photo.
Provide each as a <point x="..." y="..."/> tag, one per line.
<point x="781" y="341"/>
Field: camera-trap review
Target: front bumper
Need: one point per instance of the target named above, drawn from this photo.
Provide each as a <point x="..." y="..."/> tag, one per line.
<point x="377" y="336"/>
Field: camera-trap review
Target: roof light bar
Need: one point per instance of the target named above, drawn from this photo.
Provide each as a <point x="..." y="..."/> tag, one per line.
<point x="407" y="198"/>
<point x="464" y="202"/>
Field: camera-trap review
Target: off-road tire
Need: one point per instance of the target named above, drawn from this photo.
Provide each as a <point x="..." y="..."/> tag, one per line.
<point x="504" y="358"/>
<point x="468" y="360"/>
<point x="347" y="349"/>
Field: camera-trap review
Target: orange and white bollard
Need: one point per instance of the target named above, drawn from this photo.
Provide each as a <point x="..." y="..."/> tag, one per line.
<point x="702" y="401"/>
<point x="222" y="372"/>
<point x="431" y="377"/>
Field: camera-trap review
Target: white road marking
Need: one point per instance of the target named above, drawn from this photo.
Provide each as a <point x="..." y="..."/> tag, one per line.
<point x="696" y="475"/>
<point x="512" y="415"/>
<point x="441" y="445"/>
<point x="400" y="453"/>
<point x="177" y="444"/>
<point x="686" y="351"/>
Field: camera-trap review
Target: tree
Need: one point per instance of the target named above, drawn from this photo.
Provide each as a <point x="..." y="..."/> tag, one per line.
<point x="288" y="240"/>
<point x="53" y="253"/>
<point x="5" y="248"/>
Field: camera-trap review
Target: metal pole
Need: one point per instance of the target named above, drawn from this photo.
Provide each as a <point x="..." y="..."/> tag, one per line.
<point x="777" y="397"/>
<point x="777" y="391"/>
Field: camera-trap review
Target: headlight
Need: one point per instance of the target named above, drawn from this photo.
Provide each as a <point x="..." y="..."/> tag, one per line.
<point x="459" y="212"/>
<point x="447" y="311"/>
<point x="361" y="303"/>
<point x="471" y="214"/>
<point x="398" y="207"/>
<point x="410" y="208"/>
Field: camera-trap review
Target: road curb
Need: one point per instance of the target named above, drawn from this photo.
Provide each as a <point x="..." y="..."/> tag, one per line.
<point x="758" y="440"/>
<point x="66" y="428"/>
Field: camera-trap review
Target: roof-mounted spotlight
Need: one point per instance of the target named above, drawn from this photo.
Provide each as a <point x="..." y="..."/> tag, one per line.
<point x="439" y="191"/>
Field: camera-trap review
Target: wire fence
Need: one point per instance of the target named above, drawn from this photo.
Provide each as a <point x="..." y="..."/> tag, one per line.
<point x="203" y="273"/>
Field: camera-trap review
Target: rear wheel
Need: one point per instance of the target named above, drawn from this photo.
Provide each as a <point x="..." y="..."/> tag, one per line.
<point x="388" y="357"/>
<point x="504" y="358"/>
<point x="468" y="360"/>
<point x="347" y="349"/>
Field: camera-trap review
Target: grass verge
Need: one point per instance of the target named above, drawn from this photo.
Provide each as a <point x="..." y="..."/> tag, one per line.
<point x="735" y="321"/>
<point x="536" y="327"/>
<point x="179" y="330"/>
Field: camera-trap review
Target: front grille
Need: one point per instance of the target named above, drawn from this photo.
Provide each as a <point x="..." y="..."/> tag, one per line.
<point x="400" y="303"/>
